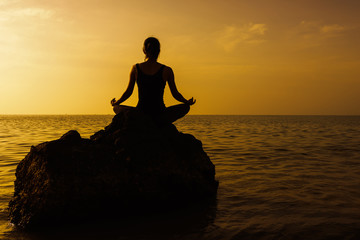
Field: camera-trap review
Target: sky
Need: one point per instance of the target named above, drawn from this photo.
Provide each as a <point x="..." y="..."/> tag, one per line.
<point x="256" y="57"/>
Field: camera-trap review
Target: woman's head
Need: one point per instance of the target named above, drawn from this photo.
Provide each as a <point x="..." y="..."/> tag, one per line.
<point x="151" y="48"/>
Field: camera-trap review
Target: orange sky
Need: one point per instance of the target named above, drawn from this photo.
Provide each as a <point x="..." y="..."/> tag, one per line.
<point x="233" y="56"/>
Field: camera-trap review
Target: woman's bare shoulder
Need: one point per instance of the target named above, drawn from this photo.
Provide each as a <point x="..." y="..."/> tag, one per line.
<point x="167" y="69"/>
<point x="134" y="67"/>
<point x="168" y="73"/>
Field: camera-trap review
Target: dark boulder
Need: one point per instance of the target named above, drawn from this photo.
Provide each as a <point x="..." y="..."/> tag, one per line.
<point x="131" y="165"/>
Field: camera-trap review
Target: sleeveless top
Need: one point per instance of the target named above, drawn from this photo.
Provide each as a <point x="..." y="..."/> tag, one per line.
<point x="151" y="91"/>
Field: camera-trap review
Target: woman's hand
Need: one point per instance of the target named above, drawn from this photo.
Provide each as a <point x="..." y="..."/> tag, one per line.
<point x="191" y="101"/>
<point x="113" y="102"/>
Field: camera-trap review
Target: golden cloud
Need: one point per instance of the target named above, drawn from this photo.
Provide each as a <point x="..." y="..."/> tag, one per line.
<point x="230" y="36"/>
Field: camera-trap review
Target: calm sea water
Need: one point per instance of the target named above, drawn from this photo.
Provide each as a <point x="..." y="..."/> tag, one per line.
<point x="281" y="177"/>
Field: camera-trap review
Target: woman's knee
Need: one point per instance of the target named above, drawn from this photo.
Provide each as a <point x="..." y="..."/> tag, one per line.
<point x="117" y="109"/>
<point x="182" y="109"/>
<point x="186" y="108"/>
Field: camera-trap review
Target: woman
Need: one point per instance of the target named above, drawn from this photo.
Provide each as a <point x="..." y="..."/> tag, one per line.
<point x="151" y="78"/>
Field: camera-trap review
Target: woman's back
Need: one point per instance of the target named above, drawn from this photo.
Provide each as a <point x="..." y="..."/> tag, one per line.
<point x="151" y="88"/>
<point x="150" y="68"/>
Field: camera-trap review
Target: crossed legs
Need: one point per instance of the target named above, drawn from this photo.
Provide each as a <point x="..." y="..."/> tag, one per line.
<point x="173" y="113"/>
<point x="170" y="115"/>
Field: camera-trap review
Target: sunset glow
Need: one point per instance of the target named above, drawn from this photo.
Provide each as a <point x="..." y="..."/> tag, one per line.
<point x="234" y="57"/>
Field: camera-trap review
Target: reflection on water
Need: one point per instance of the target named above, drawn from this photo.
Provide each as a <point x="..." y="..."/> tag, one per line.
<point x="190" y="221"/>
<point x="281" y="177"/>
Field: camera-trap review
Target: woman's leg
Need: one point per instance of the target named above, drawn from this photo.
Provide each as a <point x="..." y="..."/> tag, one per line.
<point x="118" y="108"/>
<point x="175" y="112"/>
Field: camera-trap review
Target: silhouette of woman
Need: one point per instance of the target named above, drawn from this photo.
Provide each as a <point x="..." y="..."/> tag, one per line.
<point x="151" y="78"/>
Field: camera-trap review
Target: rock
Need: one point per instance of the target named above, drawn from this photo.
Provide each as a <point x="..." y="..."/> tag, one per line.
<point x="71" y="136"/>
<point x="131" y="165"/>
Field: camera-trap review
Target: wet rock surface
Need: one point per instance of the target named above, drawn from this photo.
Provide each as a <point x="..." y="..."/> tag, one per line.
<point x="132" y="165"/>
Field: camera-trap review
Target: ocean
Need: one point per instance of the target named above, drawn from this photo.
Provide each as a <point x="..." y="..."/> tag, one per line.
<point x="281" y="177"/>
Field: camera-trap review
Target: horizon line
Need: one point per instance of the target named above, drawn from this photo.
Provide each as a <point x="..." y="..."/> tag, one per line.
<point x="104" y="114"/>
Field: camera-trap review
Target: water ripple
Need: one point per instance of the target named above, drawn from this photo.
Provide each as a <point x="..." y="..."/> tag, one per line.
<point x="281" y="177"/>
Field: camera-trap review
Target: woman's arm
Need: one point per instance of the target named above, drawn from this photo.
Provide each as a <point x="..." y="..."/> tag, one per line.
<point x="169" y="77"/>
<point x="129" y="89"/>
